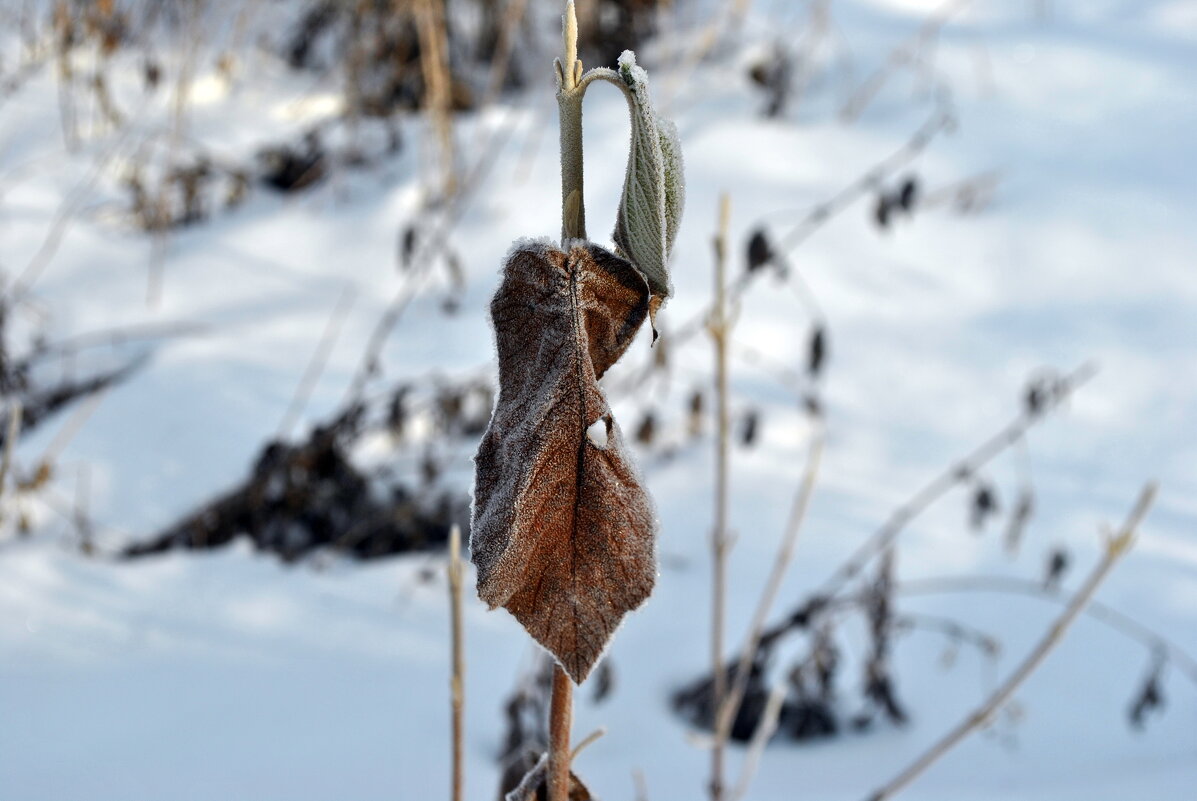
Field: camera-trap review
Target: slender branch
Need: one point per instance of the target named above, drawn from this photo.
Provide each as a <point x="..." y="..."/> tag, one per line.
<point x="1116" y="547"/>
<point x="1113" y="618"/>
<point x="1011" y="433"/>
<point x="949" y="628"/>
<point x="311" y="374"/>
<point x="760" y="738"/>
<point x="438" y="97"/>
<point x="501" y="61"/>
<point x="719" y="535"/>
<point x="940" y="120"/>
<point x="457" y="682"/>
<point x="900" y="56"/>
<point x="593" y="737"/>
<point x="781" y="563"/>
<point x="560" y="720"/>
<point x="815" y="218"/>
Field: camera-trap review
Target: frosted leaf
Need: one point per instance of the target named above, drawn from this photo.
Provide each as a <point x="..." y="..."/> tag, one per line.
<point x="562" y="530"/>
<point x="651" y="205"/>
<point x="675" y="180"/>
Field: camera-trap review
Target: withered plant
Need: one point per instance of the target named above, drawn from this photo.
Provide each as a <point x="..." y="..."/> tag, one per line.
<point x="563" y="530"/>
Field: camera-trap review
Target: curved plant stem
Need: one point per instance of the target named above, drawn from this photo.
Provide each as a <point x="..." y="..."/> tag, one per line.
<point x="1010" y="585"/>
<point x="1012" y="432"/>
<point x="1116" y="547"/>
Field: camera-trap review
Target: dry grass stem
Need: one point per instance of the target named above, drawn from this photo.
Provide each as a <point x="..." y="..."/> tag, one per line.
<point x="1011" y="585"/>
<point x="785" y="553"/>
<point x="719" y="329"/>
<point x="1115" y="548"/>
<point x="457" y="681"/>
<point x="311" y="374"/>
<point x="1008" y="435"/>
<point x="434" y="54"/>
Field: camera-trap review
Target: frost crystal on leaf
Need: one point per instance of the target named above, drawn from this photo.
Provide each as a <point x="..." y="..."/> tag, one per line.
<point x="650" y="207"/>
<point x="562" y="529"/>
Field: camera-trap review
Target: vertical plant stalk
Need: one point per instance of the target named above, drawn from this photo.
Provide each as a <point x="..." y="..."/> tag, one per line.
<point x="726" y="712"/>
<point x="561" y="712"/>
<point x="438" y="94"/>
<point x="1116" y="547"/>
<point x="719" y="538"/>
<point x="457" y="681"/>
<point x="573" y="226"/>
<point x="569" y="106"/>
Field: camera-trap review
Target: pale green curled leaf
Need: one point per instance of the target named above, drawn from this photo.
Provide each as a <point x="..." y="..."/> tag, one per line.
<point x="650" y="207"/>
<point x="675" y="180"/>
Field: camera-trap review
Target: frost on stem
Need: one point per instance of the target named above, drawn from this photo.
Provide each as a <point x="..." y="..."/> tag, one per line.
<point x="562" y="529"/>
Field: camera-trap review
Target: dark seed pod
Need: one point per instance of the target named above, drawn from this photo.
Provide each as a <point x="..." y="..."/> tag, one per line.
<point x="984" y="505"/>
<point x="696" y="413"/>
<point x="816" y="351"/>
<point x="749" y="428"/>
<point x="760" y="251"/>
<point x="882" y="210"/>
<point x="1057" y="565"/>
<point x="908" y="194"/>
<point x="407" y="247"/>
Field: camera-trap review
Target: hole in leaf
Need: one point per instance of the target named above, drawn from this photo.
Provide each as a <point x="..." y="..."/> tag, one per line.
<point x="599" y="432"/>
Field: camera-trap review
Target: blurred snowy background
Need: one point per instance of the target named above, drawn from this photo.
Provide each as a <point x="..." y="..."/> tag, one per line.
<point x="246" y="252"/>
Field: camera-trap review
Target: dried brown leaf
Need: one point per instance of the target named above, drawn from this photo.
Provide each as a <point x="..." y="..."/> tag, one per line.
<point x="563" y="530"/>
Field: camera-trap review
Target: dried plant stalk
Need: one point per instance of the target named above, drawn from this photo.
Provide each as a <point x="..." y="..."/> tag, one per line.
<point x="560" y="721"/>
<point x="457" y="681"/>
<point x="719" y="539"/>
<point x="1115" y="549"/>
<point x="438" y="99"/>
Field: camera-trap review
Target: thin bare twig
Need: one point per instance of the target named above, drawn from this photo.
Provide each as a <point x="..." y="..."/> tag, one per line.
<point x="438" y="96"/>
<point x="1116" y="547"/>
<point x="760" y="738"/>
<point x="1009" y="434"/>
<point x="311" y="373"/>
<point x="586" y="741"/>
<point x="781" y="563"/>
<point x="1119" y="621"/>
<point x="719" y="328"/>
<point x="815" y="218"/>
<point x="457" y="681"/>
<point x="901" y="55"/>
<point x="501" y="61"/>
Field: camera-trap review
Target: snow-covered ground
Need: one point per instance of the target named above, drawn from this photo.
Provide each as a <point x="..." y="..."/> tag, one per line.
<point x="229" y="676"/>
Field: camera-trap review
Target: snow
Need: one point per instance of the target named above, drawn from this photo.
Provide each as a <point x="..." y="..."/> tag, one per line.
<point x="230" y="676"/>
